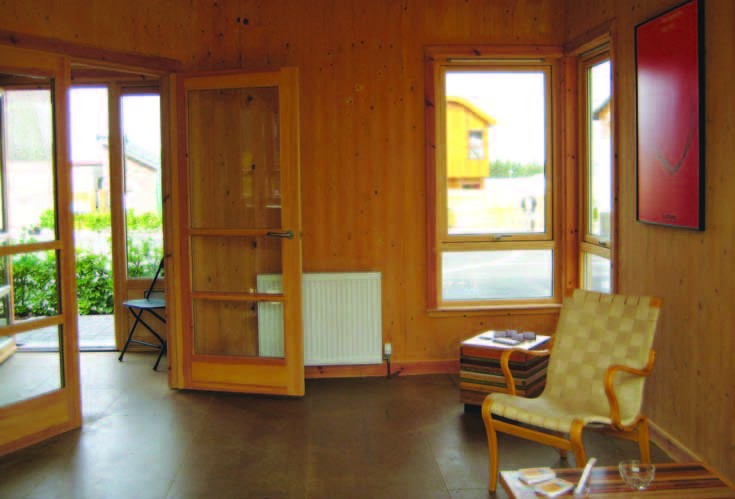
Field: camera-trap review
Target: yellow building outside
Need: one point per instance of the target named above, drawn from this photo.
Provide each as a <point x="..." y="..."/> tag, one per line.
<point x="467" y="144"/>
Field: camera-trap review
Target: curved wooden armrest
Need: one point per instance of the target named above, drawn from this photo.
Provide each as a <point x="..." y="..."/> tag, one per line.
<point x="504" y="364"/>
<point x="610" y="389"/>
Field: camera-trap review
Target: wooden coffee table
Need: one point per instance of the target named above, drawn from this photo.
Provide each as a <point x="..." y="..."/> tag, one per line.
<point x="672" y="480"/>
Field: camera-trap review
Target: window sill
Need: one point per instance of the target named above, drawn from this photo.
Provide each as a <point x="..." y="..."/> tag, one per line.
<point x="521" y="309"/>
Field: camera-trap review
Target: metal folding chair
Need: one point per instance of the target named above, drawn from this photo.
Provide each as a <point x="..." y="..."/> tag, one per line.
<point x="150" y="305"/>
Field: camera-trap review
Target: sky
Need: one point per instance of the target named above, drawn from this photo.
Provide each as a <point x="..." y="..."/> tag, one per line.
<point x="516" y="102"/>
<point x="601" y="83"/>
<point x="141" y="122"/>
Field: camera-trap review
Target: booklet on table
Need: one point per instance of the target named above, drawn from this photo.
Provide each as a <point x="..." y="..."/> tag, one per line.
<point x="554" y="487"/>
<point x="533" y="476"/>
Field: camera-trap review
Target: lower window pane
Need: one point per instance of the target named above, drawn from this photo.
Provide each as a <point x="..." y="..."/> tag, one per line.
<point x="497" y="275"/>
<point x="596" y="273"/>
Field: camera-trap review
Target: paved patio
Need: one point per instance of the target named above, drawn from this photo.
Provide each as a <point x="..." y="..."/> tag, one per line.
<point x="96" y="333"/>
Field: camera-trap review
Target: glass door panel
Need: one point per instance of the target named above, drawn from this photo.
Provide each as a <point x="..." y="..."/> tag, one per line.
<point x="35" y="286"/>
<point x="141" y="121"/>
<point x="35" y="370"/>
<point x="233" y="264"/>
<point x="238" y="329"/>
<point x="29" y="166"/>
<point x="39" y="388"/>
<point x="244" y="153"/>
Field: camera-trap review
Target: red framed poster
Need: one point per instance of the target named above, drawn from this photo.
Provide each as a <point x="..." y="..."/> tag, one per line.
<point x="670" y="111"/>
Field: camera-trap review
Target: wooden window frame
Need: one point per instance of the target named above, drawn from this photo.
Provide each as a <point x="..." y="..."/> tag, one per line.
<point x="592" y="52"/>
<point x="515" y="58"/>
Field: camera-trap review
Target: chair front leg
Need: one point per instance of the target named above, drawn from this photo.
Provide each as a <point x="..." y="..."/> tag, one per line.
<point x="643" y="445"/>
<point x="492" y="443"/>
<point x="575" y="439"/>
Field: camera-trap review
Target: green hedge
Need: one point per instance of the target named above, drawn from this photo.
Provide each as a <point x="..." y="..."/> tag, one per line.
<point x="99" y="222"/>
<point x="34" y="285"/>
<point x="35" y="280"/>
<point x="503" y="169"/>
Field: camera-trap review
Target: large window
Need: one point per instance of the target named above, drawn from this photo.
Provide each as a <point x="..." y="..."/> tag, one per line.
<point x="597" y="173"/>
<point x="490" y="128"/>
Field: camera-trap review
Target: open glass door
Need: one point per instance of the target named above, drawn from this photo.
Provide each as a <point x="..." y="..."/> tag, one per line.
<point x="39" y="390"/>
<point x="240" y="232"/>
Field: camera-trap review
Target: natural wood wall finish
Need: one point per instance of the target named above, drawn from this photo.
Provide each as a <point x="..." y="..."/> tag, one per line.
<point x="691" y="392"/>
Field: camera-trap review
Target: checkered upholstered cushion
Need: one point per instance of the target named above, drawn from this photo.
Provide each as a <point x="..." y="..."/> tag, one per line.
<point x="594" y="332"/>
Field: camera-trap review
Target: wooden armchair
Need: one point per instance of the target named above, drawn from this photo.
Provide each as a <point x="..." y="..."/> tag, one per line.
<point x="600" y="356"/>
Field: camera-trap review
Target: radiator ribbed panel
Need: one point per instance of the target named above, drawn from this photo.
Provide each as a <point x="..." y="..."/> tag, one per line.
<point x="341" y="313"/>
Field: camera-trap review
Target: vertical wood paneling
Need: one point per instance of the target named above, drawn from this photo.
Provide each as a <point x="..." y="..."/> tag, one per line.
<point x="691" y="392"/>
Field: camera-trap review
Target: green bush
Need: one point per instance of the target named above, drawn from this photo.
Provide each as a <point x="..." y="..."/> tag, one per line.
<point x="34" y="285"/>
<point x="143" y="258"/>
<point x="503" y="169"/>
<point x="35" y="280"/>
<point x="94" y="284"/>
<point x="99" y="222"/>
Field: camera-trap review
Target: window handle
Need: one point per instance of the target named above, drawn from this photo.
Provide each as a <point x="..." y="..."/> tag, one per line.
<point x="288" y="234"/>
<point x="498" y="237"/>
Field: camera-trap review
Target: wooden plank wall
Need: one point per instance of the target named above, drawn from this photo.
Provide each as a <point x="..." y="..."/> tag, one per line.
<point x="691" y="393"/>
<point x="362" y="126"/>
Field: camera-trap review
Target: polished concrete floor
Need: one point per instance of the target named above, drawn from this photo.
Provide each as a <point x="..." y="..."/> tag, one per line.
<point x="95" y="332"/>
<point x="405" y="437"/>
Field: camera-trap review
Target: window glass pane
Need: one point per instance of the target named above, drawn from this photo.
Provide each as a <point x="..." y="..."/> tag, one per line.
<point x="141" y="117"/>
<point x="477" y="145"/>
<point x="90" y="164"/>
<point x="4" y="308"/>
<point x="34" y="369"/>
<point x="91" y="194"/>
<point x="496" y="275"/>
<point x="496" y="152"/>
<point x="4" y="271"/>
<point x="29" y="166"/>
<point x="597" y="273"/>
<point x="35" y="285"/>
<point x="600" y="151"/>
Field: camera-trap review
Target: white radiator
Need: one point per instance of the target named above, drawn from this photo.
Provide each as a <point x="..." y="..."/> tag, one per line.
<point x="341" y="313"/>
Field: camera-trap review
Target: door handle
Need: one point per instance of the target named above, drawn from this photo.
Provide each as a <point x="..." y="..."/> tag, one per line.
<point x="288" y="234"/>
